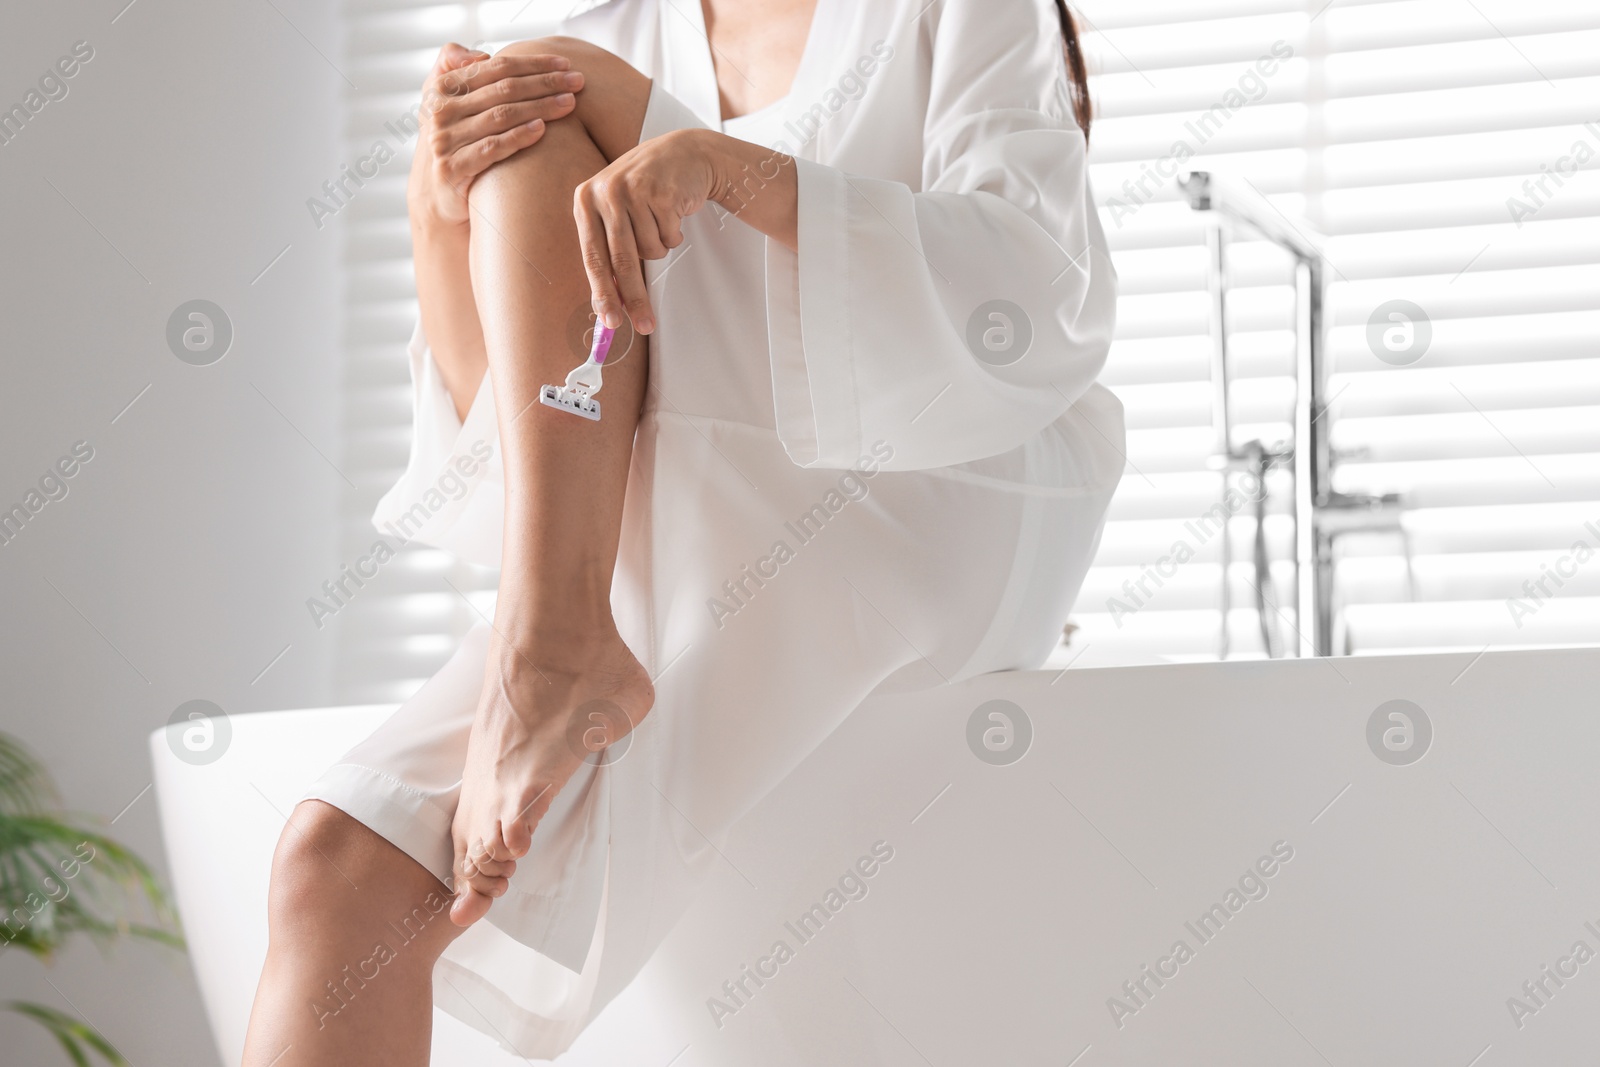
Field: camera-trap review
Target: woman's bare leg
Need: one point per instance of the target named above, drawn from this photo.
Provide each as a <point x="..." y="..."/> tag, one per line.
<point x="339" y="891"/>
<point x="355" y="928"/>
<point x="559" y="679"/>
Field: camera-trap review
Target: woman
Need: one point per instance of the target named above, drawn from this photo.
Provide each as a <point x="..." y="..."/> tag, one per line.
<point x="853" y="431"/>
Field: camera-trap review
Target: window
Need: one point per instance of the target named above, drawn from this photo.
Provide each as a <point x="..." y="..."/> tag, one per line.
<point x="1449" y="151"/>
<point x="396" y="634"/>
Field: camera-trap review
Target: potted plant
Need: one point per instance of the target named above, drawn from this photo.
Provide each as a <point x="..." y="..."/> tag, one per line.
<point x="60" y="878"/>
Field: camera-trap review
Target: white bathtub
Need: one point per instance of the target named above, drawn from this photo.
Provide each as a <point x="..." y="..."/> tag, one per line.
<point x="1419" y="899"/>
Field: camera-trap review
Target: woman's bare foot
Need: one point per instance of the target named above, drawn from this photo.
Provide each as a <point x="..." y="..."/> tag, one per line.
<point x="537" y="722"/>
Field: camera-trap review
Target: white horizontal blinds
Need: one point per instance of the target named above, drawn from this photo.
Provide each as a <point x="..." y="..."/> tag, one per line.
<point x="398" y="629"/>
<point x="1493" y="431"/>
<point x="1162" y="84"/>
<point x="1402" y="130"/>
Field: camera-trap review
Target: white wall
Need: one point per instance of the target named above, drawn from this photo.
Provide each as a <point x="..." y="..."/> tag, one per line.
<point x="186" y="146"/>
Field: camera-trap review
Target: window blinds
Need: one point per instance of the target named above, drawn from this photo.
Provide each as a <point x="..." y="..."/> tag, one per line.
<point x="1448" y="150"/>
<point x="400" y="628"/>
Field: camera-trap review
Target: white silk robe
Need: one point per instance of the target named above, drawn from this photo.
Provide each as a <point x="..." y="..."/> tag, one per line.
<point x="846" y="467"/>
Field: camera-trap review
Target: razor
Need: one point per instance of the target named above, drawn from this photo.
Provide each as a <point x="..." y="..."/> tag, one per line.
<point x="577" y="395"/>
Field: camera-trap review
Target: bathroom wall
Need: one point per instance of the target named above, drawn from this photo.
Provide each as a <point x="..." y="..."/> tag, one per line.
<point x="173" y="165"/>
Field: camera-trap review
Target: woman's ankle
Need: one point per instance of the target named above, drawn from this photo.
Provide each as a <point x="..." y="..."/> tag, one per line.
<point x="576" y="644"/>
<point x="552" y="673"/>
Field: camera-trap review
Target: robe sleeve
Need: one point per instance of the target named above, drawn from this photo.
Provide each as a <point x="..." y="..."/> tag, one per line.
<point x="440" y="499"/>
<point x="956" y="321"/>
<point x="434" y="423"/>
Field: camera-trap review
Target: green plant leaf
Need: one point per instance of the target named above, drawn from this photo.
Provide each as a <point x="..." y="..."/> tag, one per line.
<point x="61" y="877"/>
<point x="24" y="785"/>
<point x="49" y="890"/>
<point x="77" y="1038"/>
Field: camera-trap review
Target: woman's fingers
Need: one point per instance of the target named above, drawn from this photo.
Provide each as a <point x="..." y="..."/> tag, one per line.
<point x="454" y="56"/>
<point x="670" y="229"/>
<point x="647" y="232"/>
<point x="454" y="106"/>
<point x="596" y="256"/>
<point x="617" y="234"/>
<point x="627" y="268"/>
<point x="632" y="211"/>
<point x="466" y="163"/>
<point x="485" y="73"/>
<point x="478" y="110"/>
<point x="500" y="119"/>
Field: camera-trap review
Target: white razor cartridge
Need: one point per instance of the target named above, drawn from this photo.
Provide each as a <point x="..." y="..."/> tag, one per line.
<point x="577" y="395"/>
<point x="568" y="399"/>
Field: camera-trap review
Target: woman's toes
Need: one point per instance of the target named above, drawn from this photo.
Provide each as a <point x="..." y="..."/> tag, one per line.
<point x="487" y="867"/>
<point x="469" y="907"/>
<point x="488" y="885"/>
<point x="517" y="835"/>
<point x="486" y="852"/>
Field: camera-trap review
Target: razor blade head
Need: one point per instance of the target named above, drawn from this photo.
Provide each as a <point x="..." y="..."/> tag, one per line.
<point x="564" y="399"/>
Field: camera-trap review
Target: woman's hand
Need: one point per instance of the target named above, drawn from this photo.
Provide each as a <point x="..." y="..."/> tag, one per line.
<point x="476" y="111"/>
<point x="633" y="210"/>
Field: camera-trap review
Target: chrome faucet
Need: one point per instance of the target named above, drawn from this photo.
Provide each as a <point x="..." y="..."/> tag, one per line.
<point x="1321" y="514"/>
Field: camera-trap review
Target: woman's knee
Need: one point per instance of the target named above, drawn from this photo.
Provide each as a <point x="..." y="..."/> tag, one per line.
<point x="612" y="102"/>
<point x="574" y="49"/>
<point x="329" y="868"/>
<point x="303" y="866"/>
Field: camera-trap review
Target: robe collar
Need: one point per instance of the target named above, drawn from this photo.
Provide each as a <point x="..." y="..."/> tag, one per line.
<point x="688" y="73"/>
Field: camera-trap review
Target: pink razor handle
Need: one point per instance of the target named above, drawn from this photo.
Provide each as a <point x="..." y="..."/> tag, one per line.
<point x="602" y="342"/>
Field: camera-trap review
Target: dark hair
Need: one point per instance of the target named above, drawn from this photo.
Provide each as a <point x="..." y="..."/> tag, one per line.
<point x="1082" y="108"/>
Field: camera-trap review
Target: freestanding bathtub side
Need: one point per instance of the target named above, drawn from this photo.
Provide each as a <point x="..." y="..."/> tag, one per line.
<point x="1375" y="860"/>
